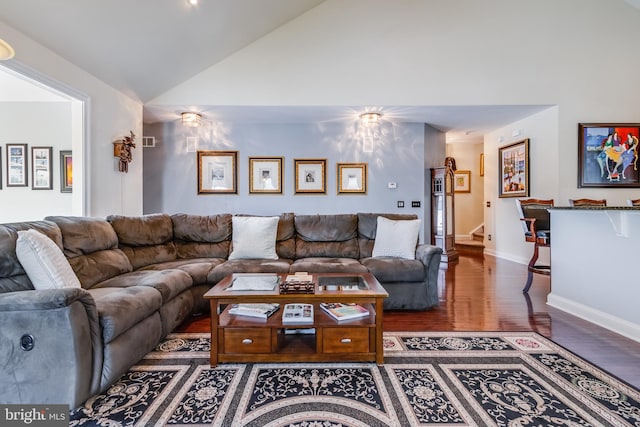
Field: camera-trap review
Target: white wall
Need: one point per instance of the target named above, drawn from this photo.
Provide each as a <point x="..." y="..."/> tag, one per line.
<point x="37" y="124"/>
<point x="111" y="115"/>
<point x="468" y="206"/>
<point x="577" y="55"/>
<point x="502" y="219"/>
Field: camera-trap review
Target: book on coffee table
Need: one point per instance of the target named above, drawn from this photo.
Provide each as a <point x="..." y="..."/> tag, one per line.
<point x="297" y="313"/>
<point x="254" y="310"/>
<point x="340" y="311"/>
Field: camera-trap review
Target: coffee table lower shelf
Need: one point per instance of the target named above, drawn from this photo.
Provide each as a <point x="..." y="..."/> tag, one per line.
<point x="353" y="342"/>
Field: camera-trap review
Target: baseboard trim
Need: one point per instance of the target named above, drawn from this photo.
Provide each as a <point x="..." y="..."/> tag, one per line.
<point x="600" y="318"/>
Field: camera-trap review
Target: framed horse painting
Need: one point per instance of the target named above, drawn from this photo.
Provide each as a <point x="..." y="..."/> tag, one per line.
<point x="608" y="155"/>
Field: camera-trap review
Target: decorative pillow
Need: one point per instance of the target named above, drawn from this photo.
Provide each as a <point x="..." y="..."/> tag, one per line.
<point x="396" y="238"/>
<point x="43" y="261"/>
<point x="254" y="237"/>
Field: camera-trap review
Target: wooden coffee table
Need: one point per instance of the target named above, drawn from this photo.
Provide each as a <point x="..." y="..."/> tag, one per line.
<point x="246" y="339"/>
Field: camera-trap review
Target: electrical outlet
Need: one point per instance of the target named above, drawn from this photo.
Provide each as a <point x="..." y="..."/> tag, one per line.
<point x="415" y="204"/>
<point x="400" y="204"/>
<point x="489" y="237"/>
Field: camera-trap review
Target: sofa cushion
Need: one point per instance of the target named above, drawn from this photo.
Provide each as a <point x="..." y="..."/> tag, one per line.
<point x="199" y="236"/>
<point x="388" y="270"/>
<point x="367" y="224"/>
<point x="248" y="266"/>
<point x="198" y="268"/>
<point x="396" y="238"/>
<point x="146" y="239"/>
<point x="332" y="236"/>
<point x="254" y="237"/>
<point x="119" y="309"/>
<point x="327" y="265"/>
<point x="12" y="275"/>
<point x="168" y="282"/>
<point x="44" y="262"/>
<point x="91" y="246"/>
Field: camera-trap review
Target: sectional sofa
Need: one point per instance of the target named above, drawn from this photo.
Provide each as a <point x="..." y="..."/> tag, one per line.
<point x="140" y="277"/>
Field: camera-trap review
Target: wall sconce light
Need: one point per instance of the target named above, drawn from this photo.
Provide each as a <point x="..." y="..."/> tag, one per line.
<point x="6" y="51"/>
<point x="191" y="119"/>
<point x="370" y="118"/>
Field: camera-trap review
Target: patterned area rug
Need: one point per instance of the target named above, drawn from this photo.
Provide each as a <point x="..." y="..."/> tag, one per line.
<point x="428" y="379"/>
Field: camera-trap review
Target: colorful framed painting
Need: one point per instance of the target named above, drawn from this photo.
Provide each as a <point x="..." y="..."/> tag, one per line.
<point x="608" y="155"/>
<point x="310" y="176"/>
<point x="514" y="169"/>
<point x="17" y="165"/>
<point x="462" y="181"/>
<point x="42" y="169"/>
<point x="66" y="171"/>
<point x="352" y="178"/>
<point x="217" y="172"/>
<point x="265" y="175"/>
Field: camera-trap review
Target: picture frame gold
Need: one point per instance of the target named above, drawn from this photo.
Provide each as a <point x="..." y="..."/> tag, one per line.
<point x="352" y="178"/>
<point x="310" y="176"/>
<point x="217" y="172"/>
<point x="514" y="169"/>
<point x="462" y="181"/>
<point x="265" y="175"/>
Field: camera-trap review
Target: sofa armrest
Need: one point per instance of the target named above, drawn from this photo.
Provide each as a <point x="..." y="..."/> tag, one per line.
<point x="50" y="346"/>
<point x="430" y="256"/>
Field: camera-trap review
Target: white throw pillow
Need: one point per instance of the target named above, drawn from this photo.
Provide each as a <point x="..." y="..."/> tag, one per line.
<point x="254" y="237"/>
<point x="396" y="238"/>
<point x="43" y="261"/>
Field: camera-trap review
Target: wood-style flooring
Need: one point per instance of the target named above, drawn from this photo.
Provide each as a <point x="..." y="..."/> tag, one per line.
<point x="485" y="294"/>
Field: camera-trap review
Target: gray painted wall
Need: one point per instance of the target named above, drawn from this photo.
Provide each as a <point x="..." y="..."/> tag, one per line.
<point x="170" y="172"/>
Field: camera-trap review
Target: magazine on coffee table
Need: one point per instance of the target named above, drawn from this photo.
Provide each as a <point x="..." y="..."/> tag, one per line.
<point x="254" y="282"/>
<point x="340" y="311"/>
<point x="297" y="313"/>
<point x="260" y="310"/>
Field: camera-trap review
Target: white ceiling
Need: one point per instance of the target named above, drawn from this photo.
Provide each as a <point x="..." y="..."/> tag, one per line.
<point x="146" y="47"/>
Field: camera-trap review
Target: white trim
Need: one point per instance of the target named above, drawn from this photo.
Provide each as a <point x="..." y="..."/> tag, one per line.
<point x="600" y="318"/>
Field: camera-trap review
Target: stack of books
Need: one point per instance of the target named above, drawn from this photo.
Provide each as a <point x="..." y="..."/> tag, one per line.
<point x="340" y="311"/>
<point x="297" y="313"/>
<point x="254" y="310"/>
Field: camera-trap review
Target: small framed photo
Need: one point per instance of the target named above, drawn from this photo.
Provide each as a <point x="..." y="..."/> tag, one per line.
<point x="265" y="175"/>
<point x="462" y="181"/>
<point x="17" y="165"/>
<point x="311" y="176"/>
<point x="514" y="169"/>
<point x="352" y="178"/>
<point x="42" y="170"/>
<point x="217" y="172"/>
<point x="66" y="171"/>
<point x="608" y="155"/>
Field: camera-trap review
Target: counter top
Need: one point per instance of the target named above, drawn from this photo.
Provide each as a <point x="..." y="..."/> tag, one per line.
<point x="595" y="208"/>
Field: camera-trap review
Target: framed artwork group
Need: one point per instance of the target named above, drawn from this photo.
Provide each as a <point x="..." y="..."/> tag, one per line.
<point x="41" y="163"/>
<point x="218" y="174"/>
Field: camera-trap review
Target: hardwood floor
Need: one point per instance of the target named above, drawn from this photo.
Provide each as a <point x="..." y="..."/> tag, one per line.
<point x="485" y="294"/>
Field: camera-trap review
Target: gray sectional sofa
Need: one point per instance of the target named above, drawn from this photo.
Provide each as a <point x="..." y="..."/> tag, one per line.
<point x="142" y="276"/>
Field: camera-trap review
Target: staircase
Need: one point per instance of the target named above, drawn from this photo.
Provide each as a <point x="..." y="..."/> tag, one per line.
<point x="473" y="247"/>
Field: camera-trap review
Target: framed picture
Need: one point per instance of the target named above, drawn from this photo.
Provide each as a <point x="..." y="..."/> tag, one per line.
<point x="0" y="168"/>
<point x="352" y="178"/>
<point x="265" y="175"/>
<point x="481" y="164"/>
<point x="66" y="171"/>
<point x="17" y="165"/>
<point x="462" y="181"/>
<point x="311" y="176"/>
<point x="608" y="155"/>
<point x="42" y="170"/>
<point x="217" y="172"/>
<point x="514" y="169"/>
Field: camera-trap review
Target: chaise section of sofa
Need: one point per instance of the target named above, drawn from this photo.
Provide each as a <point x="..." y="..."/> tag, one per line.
<point x="50" y="341"/>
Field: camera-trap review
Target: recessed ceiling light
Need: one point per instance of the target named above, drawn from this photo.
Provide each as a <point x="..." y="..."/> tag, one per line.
<point x="193" y="2"/>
